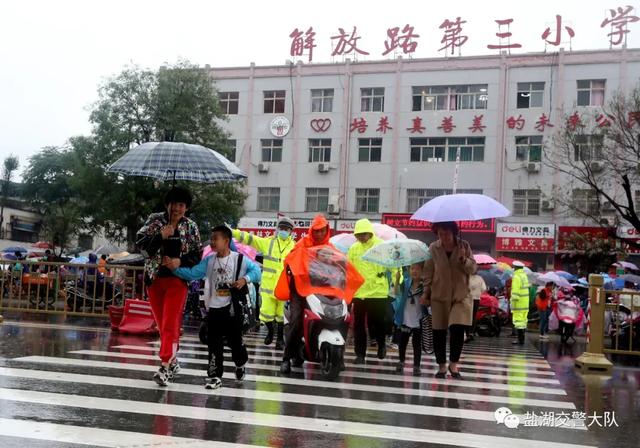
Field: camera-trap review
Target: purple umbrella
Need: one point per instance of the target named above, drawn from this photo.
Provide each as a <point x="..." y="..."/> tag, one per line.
<point x="460" y="207"/>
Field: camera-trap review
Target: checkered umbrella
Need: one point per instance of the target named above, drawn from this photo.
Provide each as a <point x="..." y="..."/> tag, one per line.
<point x="171" y="161"/>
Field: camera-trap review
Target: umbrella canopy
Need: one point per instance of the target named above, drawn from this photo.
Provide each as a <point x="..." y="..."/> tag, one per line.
<point x="397" y="253"/>
<point x="107" y="249"/>
<point x="118" y="256"/>
<point x="626" y="265"/>
<point x="552" y="277"/>
<point x="631" y="278"/>
<point x="169" y="161"/>
<point x="503" y="266"/>
<point x="6" y="256"/>
<point x="484" y="259"/>
<point x="343" y="241"/>
<point x="80" y="260"/>
<point x="129" y="260"/>
<point x="12" y="249"/>
<point x="569" y="276"/>
<point x="509" y="261"/>
<point x="491" y="279"/>
<point x="243" y="249"/>
<point x="460" y="207"/>
<point x="43" y="245"/>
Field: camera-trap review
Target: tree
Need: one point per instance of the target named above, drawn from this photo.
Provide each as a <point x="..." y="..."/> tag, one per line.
<point x="598" y="156"/>
<point x="9" y="167"/>
<point x="47" y="185"/>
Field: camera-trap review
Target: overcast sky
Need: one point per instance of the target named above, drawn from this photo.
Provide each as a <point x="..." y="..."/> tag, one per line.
<point x="54" y="54"/>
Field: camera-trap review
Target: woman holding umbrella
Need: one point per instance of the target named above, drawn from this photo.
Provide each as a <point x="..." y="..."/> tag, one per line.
<point x="170" y="234"/>
<point x="446" y="290"/>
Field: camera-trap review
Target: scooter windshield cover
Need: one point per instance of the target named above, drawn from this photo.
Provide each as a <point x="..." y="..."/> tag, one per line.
<point x="322" y="270"/>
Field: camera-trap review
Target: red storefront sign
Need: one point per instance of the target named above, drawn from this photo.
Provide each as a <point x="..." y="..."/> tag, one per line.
<point x="538" y="238"/>
<point x="589" y="233"/>
<point x="403" y="222"/>
<point x="265" y="227"/>
<point x="629" y="233"/>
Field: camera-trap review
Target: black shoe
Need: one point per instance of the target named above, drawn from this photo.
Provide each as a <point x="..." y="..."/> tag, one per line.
<point x="382" y="352"/>
<point x="400" y="367"/>
<point x="440" y="375"/>
<point x="280" y="336"/>
<point x="297" y="362"/>
<point x="213" y="383"/>
<point x="455" y="375"/>
<point x="240" y="371"/>
<point x="417" y="371"/>
<point x="212" y="369"/>
<point x="269" y="339"/>
<point x="359" y="360"/>
<point x="515" y="341"/>
<point x="343" y="367"/>
<point x="285" y="367"/>
<point x="161" y="377"/>
<point x="174" y="369"/>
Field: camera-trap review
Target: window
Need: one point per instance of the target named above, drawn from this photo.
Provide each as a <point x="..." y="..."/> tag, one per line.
<point x="367" y="200"/>
<point x="229" y="102"/>
<point x="471" y="149"/>
<point x="588" y="148"/>
<point x="417" y="197"/>
<point x="526" y="202"/>
<point x="591" y="92"/>
<point x="322" y="100"/>
<point x="467" y="96"/>
<point x="317" y="200"/>
<point x="636" y="204"/>
<point x="268" y="199"/>
<point x="372" y="99"/>
<point x="586" y="202"/>
<point x="369" y="150"/>
<point x="427" y="149"/>
<point x="272" y="150"/>
<point x="319" y="150"/>
<point x="530" y="94"/>
<point x="529" y="148"/>
<point x="229" y="150"/>
<point x="274" y="101"/>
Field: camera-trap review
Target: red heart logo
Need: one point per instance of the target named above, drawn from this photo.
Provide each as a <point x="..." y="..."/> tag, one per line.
<point x="320" y="124"/>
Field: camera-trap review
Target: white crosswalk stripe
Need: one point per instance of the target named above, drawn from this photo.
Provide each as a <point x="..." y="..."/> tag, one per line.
<point x="369" y="401"/>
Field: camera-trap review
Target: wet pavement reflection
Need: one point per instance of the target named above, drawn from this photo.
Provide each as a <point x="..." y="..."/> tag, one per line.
<point x="72" y="382"/>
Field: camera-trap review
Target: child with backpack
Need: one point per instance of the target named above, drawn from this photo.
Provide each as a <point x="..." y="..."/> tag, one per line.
<point x="226" y="276"/>
<point x="408" y="313"/>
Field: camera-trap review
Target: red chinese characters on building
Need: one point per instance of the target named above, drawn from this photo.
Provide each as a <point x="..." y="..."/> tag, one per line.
<point x="542" y="123"/>
<point x="346" y="43"/>
<point x="452" y="37"/>
<point x="619" y="22"/>
<point x="383" y="125"/>
<point x="477" y="125"/>
<point x="504" y="36"/>
<point x="359" y="124"/>
<point x="416" y="126"/>
<point x="405" y="41"/>
<point x="603" y="120"/>
<point x="558" y="32"/>
<point x="447" y="124"/>
<point x="299" y="43"/>
<point x="515" y="123"/>
<point x="574" y="121"/>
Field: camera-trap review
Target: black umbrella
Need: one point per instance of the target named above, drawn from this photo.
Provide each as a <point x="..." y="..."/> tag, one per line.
<point x="631" y="278"/>
<point x="490" y="279"/>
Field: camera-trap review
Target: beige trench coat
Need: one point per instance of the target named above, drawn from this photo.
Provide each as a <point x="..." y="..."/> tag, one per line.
<point x="446" y="285"/>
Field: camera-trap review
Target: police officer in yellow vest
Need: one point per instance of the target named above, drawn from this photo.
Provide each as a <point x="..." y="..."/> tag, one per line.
<point x="274" y="249"/>
<point x="519" y="301"/>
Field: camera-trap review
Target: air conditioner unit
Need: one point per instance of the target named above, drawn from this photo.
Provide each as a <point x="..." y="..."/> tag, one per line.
<point x="548" y="206"/>
<point x="533" y="167"/>
<point x="607" y="207"/>
<point x="323" y="167"/>
<point x="263" y="168"/>
<point x="596" y="167"/>
<point x="334" y="206"/>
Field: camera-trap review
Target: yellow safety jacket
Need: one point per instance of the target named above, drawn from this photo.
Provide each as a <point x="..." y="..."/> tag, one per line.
<point x="520" y="299"/>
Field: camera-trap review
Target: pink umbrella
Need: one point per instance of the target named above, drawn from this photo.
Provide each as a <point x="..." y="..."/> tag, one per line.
<point x="243" y="249"/>
<point x="484" y="259"/>
<point x="343" y="241"/>
<point x="386" y="232"/>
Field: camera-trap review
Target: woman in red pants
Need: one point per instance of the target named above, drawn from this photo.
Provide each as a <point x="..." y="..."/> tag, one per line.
<point x="173" y="235"/>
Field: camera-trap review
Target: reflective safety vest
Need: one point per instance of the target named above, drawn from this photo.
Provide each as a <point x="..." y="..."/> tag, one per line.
<point x="520" y="299"/>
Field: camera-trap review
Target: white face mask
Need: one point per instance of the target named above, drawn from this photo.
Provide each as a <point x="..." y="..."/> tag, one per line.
<point x="283" y="234"/>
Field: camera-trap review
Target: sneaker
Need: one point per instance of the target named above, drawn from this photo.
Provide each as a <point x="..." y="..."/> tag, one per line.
<point x="359" y="360"/>
<point x="400" y="367"/>
<point x="174" y="369"/>
<point x="393" y="346"/>
<point x="382" y="352"/>
<point x="212" y="383"/>
<point x="240" y="371"/>
<point x="285" y="367"/>
<point x="161" y="377"/>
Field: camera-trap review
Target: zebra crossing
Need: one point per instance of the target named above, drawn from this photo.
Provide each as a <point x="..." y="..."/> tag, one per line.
<point x="103" y="396"/>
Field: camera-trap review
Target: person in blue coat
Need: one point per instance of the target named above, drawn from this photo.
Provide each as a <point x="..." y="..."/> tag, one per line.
<point x="408" y="312"/>
<point x="227" y="275"/>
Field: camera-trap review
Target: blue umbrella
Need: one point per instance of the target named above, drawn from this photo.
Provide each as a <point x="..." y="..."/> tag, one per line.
<point x="12" y="249"/>
<point x="9" y="257"/>
<point x="569" y="276"/>
<point x="80" y="260"/>
<point x="177" y="161"/>
<point x="460" y="207"/>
